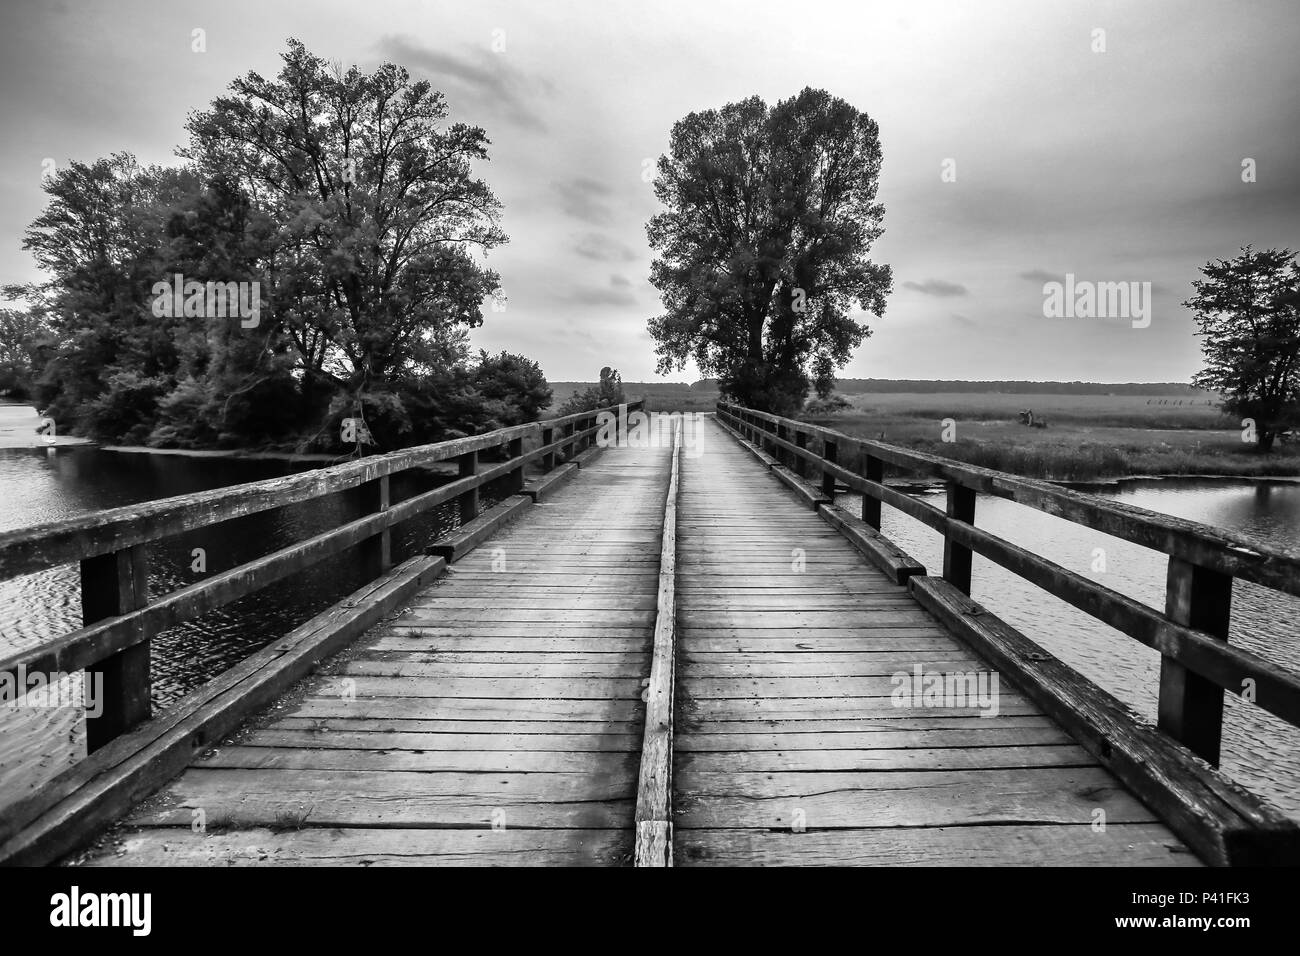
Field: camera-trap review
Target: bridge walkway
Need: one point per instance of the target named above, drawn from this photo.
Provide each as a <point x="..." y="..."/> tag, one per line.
<point x="496" y="720"/>
<point x="789" y="749"/>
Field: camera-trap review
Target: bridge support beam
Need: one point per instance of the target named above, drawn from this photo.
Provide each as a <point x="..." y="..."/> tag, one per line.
<point x="516" y="483"/>
<point x="468" y="501"/>
<point x="830" y="453"/>
<point x="957" y="557"/>
<point x="873" y="469"/>
<point x="1191" y="707"/>
<point x="113" y="584"/>
<point x="376" y="552"/>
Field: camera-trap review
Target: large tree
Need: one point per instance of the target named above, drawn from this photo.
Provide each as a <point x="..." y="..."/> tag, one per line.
<point x="1248" y="313"/>
<point x="378" y="212"/>
<point x="770" y="213"/>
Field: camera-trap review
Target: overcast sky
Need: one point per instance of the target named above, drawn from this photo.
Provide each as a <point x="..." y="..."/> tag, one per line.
<point x="1115" y="166"/>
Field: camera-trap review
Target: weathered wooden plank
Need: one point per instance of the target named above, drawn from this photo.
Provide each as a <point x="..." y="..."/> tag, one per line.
<point x="556" y="760"/>
<point x="904" y="798"/>
<point x="171" y="846"/>
<point x="324" y="715"/>
<point x="403" y="736"/>
<point x="478" y="643"/>
<point x="349" y="798"/>
<point x="975" y="732"/>
<point x="1119" y="844"/>
<point x="764" y="760"/>
<point x="582" y="688"/>
<point x="769" y="688"/>
<point x="654" y="780"/>
<point x="812" y="708"/>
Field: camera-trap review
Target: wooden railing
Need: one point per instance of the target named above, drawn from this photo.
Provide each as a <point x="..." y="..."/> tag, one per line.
<point x="1191" y="634"/>
<point x="118" y="617"/>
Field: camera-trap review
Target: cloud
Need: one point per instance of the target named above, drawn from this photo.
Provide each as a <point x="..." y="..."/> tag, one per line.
<point x="477" y="82"/>
<point x="936" y="287"/>
<point x="1041" y="275"/>
<point x="600" y="248"/>
<point x="594" y="295"/>
<point x="619" y="282"/>
<point x="963" y="320"/>
<point x="583" y="198"/>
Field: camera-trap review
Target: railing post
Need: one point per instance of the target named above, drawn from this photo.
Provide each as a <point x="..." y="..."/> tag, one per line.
<point x="468" y="500"/>
<point x="515" y="449"/>
<point x="548" y="459"/>
<point x="568" y="448"/>
<point x="781" y="457"/>
<point x="829" y="452"/>
<point x="800" y="466"/>
<point x="1191" y="707"/>
<point x="873" y="469"/>
<point x="957" y="557"/>
<point x="376" y="552"/>
<point x="113" y="584"/>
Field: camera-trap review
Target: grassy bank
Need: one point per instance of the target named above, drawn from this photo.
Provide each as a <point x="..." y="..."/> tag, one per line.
<point x="1076" y="450"/>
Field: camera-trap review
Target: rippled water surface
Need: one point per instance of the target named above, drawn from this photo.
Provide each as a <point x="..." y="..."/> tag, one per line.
<point x="1259" y="750"/>
<point x="47" y="484"/>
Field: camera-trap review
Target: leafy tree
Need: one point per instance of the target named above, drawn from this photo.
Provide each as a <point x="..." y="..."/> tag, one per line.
<point x="235" y="385"/>
<point x="512" y="387"/>
<point x="1248" y="313"/>
<point x="377" y="209"/>
<point x="22" y="334"/>
<point x="607" y="393"/>
<point x="99" y="240"/>
<point x="770" y="213"/>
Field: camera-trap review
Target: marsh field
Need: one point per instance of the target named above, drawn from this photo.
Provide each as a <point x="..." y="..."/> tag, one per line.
<point x="1094" y="437"/>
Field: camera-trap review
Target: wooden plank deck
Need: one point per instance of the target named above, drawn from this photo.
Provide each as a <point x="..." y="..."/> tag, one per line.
<point x="789" y="749"/>
<point x="498" y="720"/>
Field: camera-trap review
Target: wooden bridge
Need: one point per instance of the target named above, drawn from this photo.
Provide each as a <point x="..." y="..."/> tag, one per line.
<point x="677" y="652"/>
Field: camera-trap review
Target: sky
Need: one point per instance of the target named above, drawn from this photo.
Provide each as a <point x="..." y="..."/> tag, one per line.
<point x="1015" y="150"/>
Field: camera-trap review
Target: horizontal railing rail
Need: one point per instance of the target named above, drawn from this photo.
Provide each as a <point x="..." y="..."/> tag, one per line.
<point x="119" y="619"/>
<point x="1191" y="634"/>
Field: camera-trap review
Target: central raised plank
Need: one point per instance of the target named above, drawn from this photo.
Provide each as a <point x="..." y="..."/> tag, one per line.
<point x="790" y="749"/>
<point x="497" y="720"/>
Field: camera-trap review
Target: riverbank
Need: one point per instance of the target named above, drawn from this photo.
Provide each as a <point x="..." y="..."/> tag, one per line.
<point x="1079" y="452"/>
<point x="18" y="425"/>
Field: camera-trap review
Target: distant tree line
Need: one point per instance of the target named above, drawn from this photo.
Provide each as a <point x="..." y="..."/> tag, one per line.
<point x="316" y="257"/>
<point x="859" y="386"/>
